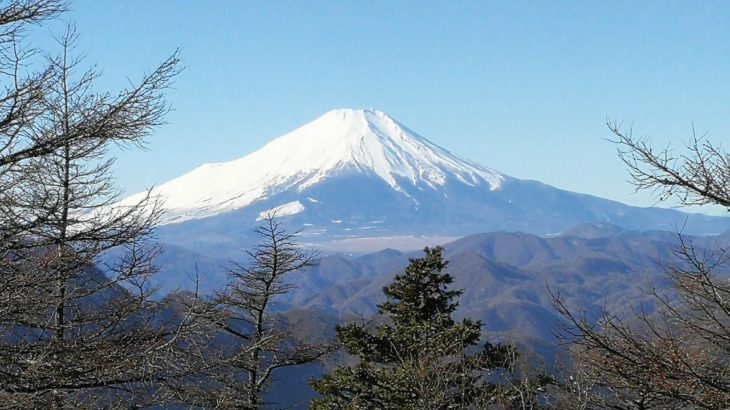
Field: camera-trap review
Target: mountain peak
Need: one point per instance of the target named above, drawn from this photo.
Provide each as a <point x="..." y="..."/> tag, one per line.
<point x="369" y="117"/>
<point x="353" y="125"/>
<point x="346" y="123"/>
<point x="363" y="141"/>
<point x="371" y="141"/>
<point x="351" y="112"/>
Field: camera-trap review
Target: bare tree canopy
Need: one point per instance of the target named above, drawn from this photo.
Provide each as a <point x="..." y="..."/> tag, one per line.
<point x="15" y="14"/>
<point x="699" y="176"/>
<point x="72" y="334"/>
<point x="245" y="313"/>
<point x="677" y="356"/>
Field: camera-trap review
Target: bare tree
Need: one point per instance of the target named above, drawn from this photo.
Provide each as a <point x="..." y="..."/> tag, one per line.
<point x="245" y="312"/>
<point x="21" y="103"/>
<point x="71" y="334"/>
<point x="678" y="356"/>
<point x="698" y="176"/>
<point x="15" y="15"/>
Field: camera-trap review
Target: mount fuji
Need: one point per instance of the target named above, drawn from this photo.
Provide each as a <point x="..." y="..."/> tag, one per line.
<point x="360" y="173"/>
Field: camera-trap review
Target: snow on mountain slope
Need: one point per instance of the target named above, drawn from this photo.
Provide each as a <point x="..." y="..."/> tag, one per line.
<point x="363" y="141"/>
<point x="290" y="208"/>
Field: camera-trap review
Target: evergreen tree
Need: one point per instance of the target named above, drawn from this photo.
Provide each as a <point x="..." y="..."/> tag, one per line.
<point x="419" y="357"/>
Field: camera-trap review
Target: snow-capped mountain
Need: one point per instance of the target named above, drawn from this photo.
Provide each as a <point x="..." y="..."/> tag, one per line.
<point x="338" y="142"/>
<point x="358" y="173"/>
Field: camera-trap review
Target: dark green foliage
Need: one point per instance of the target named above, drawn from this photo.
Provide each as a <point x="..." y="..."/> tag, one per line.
<point x="420" y="357"/>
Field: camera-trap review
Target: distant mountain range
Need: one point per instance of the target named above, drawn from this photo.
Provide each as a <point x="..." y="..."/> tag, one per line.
<point x="360" y="173"/>
<point x="505" y="275"/>
<point x="506" y="278"/>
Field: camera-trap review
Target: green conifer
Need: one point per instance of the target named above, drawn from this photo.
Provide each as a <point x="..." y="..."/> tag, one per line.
<point x="419" y="357"/>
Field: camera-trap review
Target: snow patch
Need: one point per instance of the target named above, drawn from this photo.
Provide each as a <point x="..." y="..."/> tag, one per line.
<point x="290" y="208"/>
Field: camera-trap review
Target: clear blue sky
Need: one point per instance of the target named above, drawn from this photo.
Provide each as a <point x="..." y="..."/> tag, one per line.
<point x="523" y="87"/>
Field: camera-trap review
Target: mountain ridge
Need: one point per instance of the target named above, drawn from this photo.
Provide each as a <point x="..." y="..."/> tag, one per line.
<point x="362" y="174"/>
